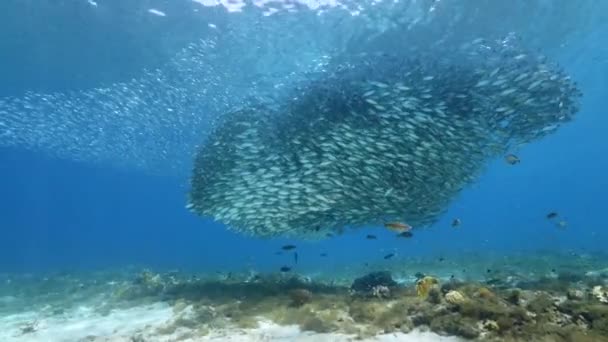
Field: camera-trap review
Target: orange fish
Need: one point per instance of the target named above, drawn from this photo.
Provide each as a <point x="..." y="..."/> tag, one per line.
<point x="399" y="227"/>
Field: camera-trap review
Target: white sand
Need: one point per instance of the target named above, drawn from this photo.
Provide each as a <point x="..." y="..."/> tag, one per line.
<point x="85" y="324"/>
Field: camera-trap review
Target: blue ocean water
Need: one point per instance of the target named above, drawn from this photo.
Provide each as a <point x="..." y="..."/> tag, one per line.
<point x="104" y="104"/>
<point x="62" y="214"/>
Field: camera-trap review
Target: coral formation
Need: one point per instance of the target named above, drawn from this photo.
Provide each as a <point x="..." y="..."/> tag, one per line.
<point x="365" y="285"/>
<point x="454" y="297"/>
<point x="376" y="303"/>
<point x="543" y="309"/>
<point x="300" y="297"/>
<point x="381" y="291"/>
<point x="424" y="286"/>
<point x="600" y="293"/>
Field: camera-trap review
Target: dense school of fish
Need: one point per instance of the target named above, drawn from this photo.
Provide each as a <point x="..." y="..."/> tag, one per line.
<point x="140" y="123"/>
<point x="377" y="137"/>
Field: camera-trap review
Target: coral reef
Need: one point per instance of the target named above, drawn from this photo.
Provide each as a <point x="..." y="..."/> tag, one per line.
<point x="365" y="285"/>
<point x="381" y="291"/>
<point x="600" y="293"/>
<point x="376" y="303"/>
<point x="425" y="285"/>
<point x="300" y="297"/>
<point x="455" y="298"/>
<point x="567" y="308"/>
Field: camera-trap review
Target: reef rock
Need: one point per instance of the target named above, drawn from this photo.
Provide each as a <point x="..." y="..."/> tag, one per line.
<point x="454" y="297"/>
<point x="371" y="281"/>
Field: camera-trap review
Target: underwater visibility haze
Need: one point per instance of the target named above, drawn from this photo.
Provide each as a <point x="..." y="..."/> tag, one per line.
<point x="408" y="170"/>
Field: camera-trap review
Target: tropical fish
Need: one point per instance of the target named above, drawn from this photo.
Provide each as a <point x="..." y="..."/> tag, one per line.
<point x="512" y="159"/>
<point x="398" y="226"/>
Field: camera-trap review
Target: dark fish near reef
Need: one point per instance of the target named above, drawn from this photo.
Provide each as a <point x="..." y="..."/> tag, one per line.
<point x="323" y="254"/>
<point x="371" y="237"/>
<point x="388" y="256"/>
<point x="552" y="215"/>
<point x="285" y="269"/>
<point x="405" y="235"/>
<point x="456" y="222"/>
<point x="512" y="159"/>
<point x="295" y="257"/>
<point x="288" y="247"/>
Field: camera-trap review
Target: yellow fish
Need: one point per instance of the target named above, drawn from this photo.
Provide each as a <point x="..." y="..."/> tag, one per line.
<point x="399" y="227"/>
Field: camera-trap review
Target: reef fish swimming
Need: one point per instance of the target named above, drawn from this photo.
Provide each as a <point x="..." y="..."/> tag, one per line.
<point x="398" y="226"/>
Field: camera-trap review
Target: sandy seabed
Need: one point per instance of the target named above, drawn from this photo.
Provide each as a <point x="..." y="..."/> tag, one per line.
<point x="139" y="324"/>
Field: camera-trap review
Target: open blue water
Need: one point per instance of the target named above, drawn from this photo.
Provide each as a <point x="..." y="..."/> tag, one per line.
<point x="62" y="213"/>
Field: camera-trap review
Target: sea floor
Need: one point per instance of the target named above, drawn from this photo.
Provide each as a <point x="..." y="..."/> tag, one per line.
<point x="520" y="297"/>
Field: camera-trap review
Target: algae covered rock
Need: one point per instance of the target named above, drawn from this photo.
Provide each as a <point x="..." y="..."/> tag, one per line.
<point x="486" y="294"/>
<point x="491" y="325"/>
<point x="425" y="285"/>
<point x="574" y="294"/>
<point x="514" y="297"/>
<point x="316" y="324"/>
<point x="600" y="293"/>
<point x="455" y="297"/>
<point x="541" y="303"/>
<point x="365" y="312"/>
<point x="455" y="324"/>
<point x="300" y="297"/>
<point x="367" y="283"/>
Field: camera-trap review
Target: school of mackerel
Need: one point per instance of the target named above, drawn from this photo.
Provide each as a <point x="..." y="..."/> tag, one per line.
<point x="377" y="136"/>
